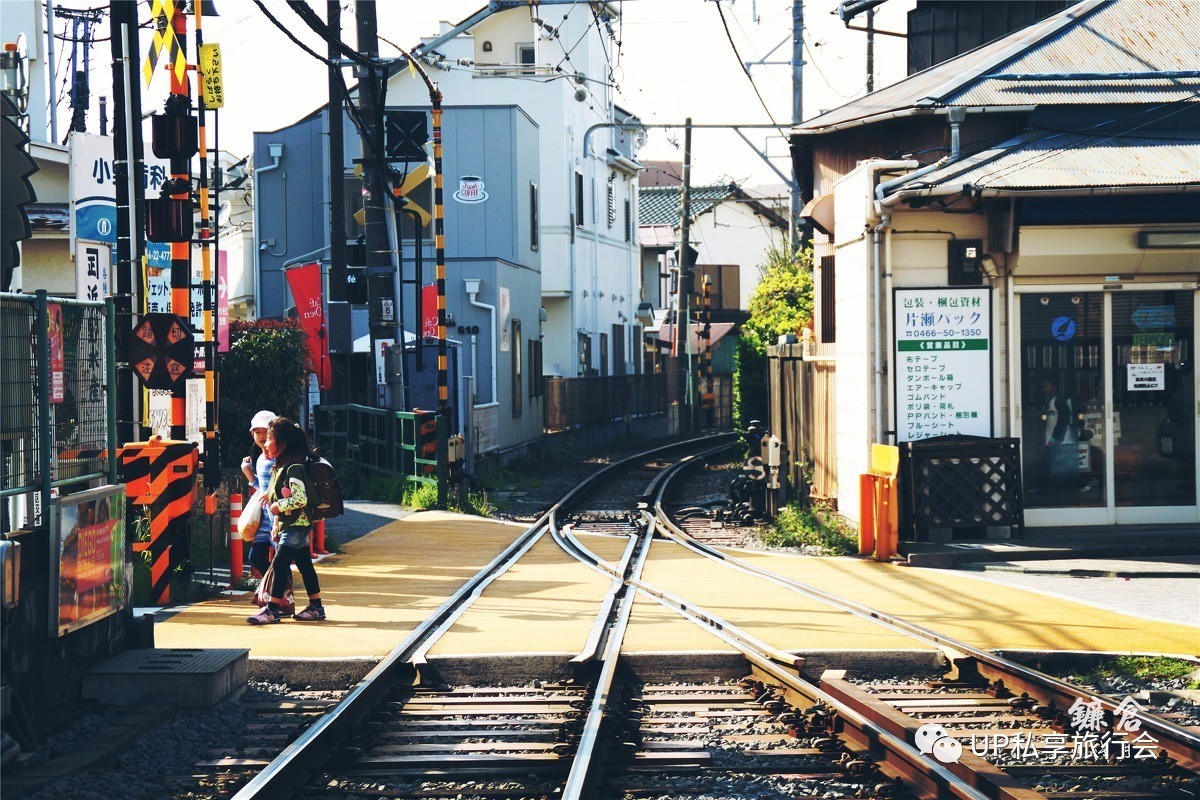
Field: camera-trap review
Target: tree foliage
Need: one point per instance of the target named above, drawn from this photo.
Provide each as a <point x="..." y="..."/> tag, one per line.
<point x="781" y="304"/>
<point x="783" y="301"/>
<point x="266" y="368"/>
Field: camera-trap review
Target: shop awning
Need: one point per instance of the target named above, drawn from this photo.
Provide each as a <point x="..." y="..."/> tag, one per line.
<point x="819" y="211"/>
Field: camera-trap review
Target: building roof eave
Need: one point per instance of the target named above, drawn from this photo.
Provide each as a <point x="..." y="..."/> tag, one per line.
<point x="947" y="190"/>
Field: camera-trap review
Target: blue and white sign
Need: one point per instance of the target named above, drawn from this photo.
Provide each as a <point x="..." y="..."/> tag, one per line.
<point x="94" y="188"/>
<point x="1062" y="328"/>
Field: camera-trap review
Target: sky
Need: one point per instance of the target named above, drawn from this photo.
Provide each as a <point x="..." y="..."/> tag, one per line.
<point x="674" y="61"/>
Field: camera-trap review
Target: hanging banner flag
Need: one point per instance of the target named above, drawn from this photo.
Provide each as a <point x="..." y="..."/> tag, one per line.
<point x="57" y="368"/>
<point x="305" y="283"/>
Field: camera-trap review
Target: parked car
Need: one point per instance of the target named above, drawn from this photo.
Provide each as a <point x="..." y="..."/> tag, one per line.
<point x="1177" y="433"/>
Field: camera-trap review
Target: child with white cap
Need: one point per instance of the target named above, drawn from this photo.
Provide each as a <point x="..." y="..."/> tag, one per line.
<point x="257" y="470"/>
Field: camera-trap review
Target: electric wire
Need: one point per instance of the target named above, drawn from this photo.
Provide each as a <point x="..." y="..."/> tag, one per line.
<point x="742" y="64"/>
<point x="286" y="32"/>
<point x="812" y="59"/>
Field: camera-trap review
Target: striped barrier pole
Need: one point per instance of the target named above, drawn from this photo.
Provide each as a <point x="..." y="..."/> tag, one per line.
<point x="319" y="539"/>
<point x="235" y="540"/>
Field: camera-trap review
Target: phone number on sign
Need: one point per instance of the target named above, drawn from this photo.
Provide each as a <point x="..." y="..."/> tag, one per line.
<point x="945" y="334"/>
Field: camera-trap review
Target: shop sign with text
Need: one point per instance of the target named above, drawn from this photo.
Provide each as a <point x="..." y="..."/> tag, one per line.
<point x="943" y="362"/>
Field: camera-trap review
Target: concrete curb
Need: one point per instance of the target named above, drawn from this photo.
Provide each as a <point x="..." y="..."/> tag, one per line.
<point x="1115" y="572"/>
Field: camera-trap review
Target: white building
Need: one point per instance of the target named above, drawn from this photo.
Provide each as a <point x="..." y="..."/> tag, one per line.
<point x="587" y="195"/>
<point x="732" y="231"/>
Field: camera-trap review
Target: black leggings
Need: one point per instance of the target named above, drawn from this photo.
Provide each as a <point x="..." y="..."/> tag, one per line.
<point x="260" y="556"/>
<point x="284" y="558"/>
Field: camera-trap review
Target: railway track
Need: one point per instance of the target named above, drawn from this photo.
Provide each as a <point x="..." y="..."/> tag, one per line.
<point x="1001" y="727"/>
<point x="393" y="735"/>
<point x="608" y="733"/>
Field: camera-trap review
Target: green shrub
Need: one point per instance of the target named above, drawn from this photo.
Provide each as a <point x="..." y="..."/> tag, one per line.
<point x="420" y="496"/>
<point x="782" y="304"/>
<point x="1149" y="669"/>
<point x="266" y="368"/>
<point x="795" y="527"/>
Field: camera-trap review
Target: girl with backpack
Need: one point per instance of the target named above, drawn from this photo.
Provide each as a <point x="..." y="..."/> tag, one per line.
<point x="289" y="493"/>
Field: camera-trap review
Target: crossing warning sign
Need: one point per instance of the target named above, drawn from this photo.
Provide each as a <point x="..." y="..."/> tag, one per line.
<point x="160" y="350"/>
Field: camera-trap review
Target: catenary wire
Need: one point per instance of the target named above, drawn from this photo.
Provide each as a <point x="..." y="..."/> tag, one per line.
<point x="742" y="64"/>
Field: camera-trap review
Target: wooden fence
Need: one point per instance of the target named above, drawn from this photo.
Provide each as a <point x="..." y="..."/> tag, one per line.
<point x="803" y="412"/>
<point x="579" y="401"/>
<point x="571" y="402"/>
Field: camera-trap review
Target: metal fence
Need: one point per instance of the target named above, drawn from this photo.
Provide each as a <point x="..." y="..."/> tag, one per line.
<point x="57" y="401"/>
<point x="803" y="412"/>
<point x="383" y="441"/>
<point x="579" y="401"/>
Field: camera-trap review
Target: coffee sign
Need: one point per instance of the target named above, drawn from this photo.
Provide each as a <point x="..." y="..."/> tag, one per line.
<point x="470" y="190"/>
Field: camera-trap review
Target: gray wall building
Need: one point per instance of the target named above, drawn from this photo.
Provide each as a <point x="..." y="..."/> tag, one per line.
<point x="493" y="267"/>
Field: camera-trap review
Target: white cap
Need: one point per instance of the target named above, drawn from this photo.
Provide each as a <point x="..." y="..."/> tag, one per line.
<point x="261" y="420"/>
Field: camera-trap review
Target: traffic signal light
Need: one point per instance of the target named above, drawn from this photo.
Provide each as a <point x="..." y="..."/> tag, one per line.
<point x="427" y="440"/>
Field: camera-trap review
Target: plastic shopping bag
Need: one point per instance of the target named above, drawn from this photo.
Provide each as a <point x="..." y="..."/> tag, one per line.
<point x="251" y="516"/>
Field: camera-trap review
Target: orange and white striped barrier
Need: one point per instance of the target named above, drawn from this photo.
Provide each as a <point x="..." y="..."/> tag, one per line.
<point x="318" y="539"/>
<point x="235" y="540"/>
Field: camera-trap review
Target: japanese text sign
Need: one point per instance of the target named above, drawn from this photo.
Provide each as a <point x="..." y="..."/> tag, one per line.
<point x="211" y="82"/>
<point x="943" y="362"/>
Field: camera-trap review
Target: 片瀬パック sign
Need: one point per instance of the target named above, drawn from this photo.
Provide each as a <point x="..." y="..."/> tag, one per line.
<point x="943" y="362"/>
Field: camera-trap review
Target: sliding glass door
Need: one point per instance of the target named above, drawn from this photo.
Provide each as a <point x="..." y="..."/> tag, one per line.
<point x="1107" y="405"/>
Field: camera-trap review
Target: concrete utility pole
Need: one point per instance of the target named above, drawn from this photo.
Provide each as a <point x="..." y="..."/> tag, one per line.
<point x="797" y="108"/>
<point x="380" y="269"/>
<point x="127" y="174"/>
<point x="686" y="278"/>
<point x="337" y="201"/>
<point x="870" y="50"/>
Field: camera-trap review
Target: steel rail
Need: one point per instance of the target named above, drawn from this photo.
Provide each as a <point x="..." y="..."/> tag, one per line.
<point x="898" y="756"/>
<point x="583" y="766"/>
<point x="303" y="757"/>
<point x="311" y="749"/>
<point x="1181" y="744"/>
<point x="700" y="616"/>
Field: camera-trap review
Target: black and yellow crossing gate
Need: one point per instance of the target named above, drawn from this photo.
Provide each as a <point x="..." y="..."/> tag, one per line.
<point x="160" y="475"/>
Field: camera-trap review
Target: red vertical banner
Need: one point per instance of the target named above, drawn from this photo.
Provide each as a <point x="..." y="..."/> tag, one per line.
<point x="429" y="311"/>
<point x="222" y="302"/>
<point x="57" y="369"/>
<point x="305" y="283"/>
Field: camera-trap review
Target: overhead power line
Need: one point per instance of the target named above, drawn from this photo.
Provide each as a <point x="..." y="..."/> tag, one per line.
<point x="742" y="64"/>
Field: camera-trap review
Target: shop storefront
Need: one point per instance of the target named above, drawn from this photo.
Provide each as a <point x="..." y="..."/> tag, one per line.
<point x="1105" y="400"/>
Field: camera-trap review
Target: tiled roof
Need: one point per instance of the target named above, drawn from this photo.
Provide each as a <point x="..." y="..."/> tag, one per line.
<point x="1095" y="52"/>
<point x="1043" y="159"/>
<point x="662" y="205"/>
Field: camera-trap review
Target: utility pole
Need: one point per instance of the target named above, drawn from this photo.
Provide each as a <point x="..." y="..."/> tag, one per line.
<point x="686" y="278"/>
<point x="380" y="268"/>
<point x="870" y="50"/>
<point x="797" y="108"/>
<point x="127" y="173"/>
<point x="81" y="39"/>
<point x="337" y="202"/>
